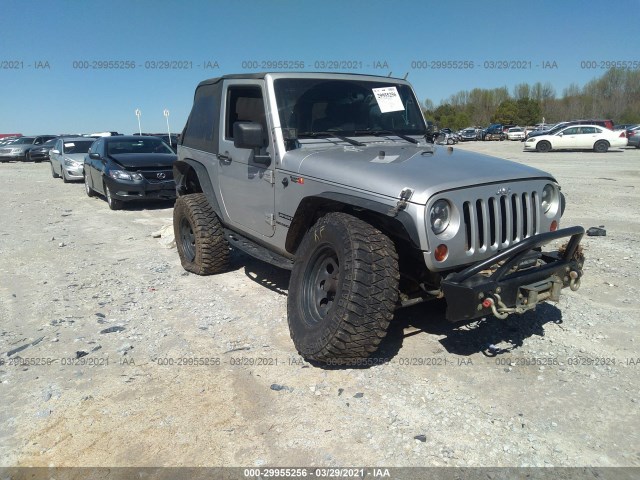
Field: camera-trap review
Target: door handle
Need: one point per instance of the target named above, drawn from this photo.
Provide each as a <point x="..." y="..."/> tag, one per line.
<point x="226" y="158"/>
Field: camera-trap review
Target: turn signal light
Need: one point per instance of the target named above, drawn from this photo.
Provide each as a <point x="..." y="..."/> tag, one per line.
<point x="554" y="226"/>
<point x="441" y="252"/>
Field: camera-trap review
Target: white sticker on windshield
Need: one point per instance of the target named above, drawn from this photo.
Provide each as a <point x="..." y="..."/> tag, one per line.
<point x="388" y="99"/>
<point x="69" y="145"/>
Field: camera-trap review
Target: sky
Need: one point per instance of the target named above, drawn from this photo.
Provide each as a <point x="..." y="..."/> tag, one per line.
<point x="55" y="75"/>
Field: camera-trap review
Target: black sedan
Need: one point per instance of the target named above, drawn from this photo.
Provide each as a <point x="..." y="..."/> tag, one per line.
<point x="127" y="168"/>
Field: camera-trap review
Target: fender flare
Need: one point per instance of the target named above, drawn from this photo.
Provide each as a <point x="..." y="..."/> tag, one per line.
<point x="408" y="229"/>
<point x="181" y="169"/>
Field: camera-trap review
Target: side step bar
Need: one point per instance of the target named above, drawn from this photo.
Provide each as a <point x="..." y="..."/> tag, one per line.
<point x="258" y="251"/>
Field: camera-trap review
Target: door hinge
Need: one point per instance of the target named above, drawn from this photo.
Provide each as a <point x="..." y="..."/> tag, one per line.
<point x="270" y="218"/>
<point x="269" y="176"/>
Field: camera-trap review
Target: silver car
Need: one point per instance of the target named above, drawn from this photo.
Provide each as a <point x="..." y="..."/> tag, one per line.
<point x="18" y="149"/>
<point x="67" y="157"/>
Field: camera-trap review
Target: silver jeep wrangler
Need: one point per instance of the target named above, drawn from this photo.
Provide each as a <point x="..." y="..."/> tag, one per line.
<point x="332" y="176"/>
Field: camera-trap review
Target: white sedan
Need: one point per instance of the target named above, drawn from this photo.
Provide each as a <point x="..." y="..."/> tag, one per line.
<point x="515" y="133"/>
<point x="578" y="137"/>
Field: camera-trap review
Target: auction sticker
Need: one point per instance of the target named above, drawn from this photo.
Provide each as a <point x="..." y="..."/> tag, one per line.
<point x="388" y="99"/>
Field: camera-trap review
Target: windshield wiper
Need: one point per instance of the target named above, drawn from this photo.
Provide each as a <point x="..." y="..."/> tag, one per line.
<point x="332" y="134"/>
<point x="380" y="133"/>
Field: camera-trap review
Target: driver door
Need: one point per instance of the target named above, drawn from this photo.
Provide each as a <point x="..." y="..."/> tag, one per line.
<point x="246" y="186"/>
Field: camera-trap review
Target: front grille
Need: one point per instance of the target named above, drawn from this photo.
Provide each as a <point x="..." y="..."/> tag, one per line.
<point x="152" y="175"/>
<point x="495" y="223"/>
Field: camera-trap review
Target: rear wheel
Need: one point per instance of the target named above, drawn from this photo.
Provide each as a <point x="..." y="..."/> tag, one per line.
<point x="200" y="240"/>
<point x="543" y="146"/>
<point x="343" y="290"/>
<point x="114" y="204"/>
<point x="601" y="146"/>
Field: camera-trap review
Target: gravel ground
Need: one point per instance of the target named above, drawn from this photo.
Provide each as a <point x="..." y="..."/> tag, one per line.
<point x="113" y="355"/>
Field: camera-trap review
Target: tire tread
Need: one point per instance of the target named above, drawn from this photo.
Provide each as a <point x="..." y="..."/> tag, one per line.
<point x="367" y="303"/>
<point x="212" y="248"/>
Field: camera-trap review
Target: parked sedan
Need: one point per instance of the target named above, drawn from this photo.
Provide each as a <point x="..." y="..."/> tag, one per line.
<point x="17" y="150"/>
<point x="127" y="168"/>
<point x="515" y="133"/>
<point x="468" y="134"/>
<point x="633" y="130"/>
<point x="67" y="157"/>
<point x="634" y="140"/>
<point x="41" y="153"/>
<point x="578" y="137"/>
<point x="446" y="138"/>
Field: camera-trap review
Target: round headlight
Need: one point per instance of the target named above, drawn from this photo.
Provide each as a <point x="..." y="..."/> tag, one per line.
<point x="440" y="216"/>
<point x="549" y="198"/>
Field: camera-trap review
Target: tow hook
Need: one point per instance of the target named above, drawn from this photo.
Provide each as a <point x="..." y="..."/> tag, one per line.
<point x="574" y="284"/>
<point x="491" y="303"/>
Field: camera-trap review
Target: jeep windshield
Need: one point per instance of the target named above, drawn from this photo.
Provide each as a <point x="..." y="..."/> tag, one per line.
<point x="346" y="108"/>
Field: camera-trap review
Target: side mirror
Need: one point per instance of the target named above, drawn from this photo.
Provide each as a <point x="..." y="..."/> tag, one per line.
<point x="55" y="151"/>
<point x="94" y="156"/>
<point x="561" y="134"/>
<point x="248" y="135"/>
<point x="251" y="135"/>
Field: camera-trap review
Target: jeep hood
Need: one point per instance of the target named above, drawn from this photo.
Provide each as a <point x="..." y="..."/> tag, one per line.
<point x="387" y="168"/>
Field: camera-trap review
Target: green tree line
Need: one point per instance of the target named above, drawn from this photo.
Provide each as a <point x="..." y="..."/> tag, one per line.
<point x="615" y="95"/>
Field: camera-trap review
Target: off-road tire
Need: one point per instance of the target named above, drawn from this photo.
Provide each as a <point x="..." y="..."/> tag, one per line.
<point x="343" y="290"/>
<point x="114" y="203"/>
<point x="601" y="146"/>
<point x="543" y="146"/>
<point x="200" y="240"/>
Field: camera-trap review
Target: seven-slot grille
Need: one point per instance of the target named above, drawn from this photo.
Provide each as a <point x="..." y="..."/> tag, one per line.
<point x="499" y="221"/>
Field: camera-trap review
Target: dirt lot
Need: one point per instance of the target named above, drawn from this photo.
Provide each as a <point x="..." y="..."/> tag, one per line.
<point x="115" y="356"/>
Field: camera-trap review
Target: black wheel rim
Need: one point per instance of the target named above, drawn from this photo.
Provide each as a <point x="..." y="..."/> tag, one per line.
<point x="187" y="240"/>
<point x="321" y="283"/>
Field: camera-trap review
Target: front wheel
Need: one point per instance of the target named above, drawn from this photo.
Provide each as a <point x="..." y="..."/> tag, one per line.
<point x="343" y="290"/>
<point x="114" y="204"/>
<point x="53" y="172"/>
<point x="87" y="188"/>
<point x="601" y="146"/>
<point x="543" y="147"/>
<point x="200" y="240"/>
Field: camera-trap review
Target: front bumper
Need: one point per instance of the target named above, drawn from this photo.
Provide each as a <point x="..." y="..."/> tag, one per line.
<point x="142" y="190"/>
<point x="74" y="172"/>
<point x="516" y="279"/>
<point x="13" y="157"/>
